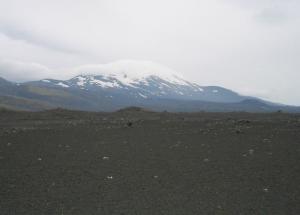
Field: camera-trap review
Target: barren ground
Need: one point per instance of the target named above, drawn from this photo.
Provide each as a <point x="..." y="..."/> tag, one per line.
<point x="62" y="162"/>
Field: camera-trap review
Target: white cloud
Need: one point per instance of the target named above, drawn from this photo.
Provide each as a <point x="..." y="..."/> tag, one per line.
<point x="20" y="71"/>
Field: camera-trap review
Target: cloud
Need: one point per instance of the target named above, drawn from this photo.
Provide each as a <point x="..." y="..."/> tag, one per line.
<point x="29" y="36"/>
<point x="271" y="16"/>
<point x="20" y="71"/>
<point x="273" y="12"/>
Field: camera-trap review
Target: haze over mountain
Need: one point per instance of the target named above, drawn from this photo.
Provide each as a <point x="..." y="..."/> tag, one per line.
<point x="127" y="83"/>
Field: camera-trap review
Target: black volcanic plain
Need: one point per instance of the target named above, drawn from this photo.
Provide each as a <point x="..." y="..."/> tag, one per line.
<point x="141" y="162"/>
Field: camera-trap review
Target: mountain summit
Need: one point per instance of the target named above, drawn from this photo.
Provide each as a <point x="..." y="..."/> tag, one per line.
<point x="131" y="71"/>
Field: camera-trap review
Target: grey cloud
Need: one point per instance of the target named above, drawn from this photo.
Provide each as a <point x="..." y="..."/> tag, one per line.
<point x="268" y="11"/>
<point x="20" y="71"/>
<point x="272" y="16"/>
<point x="19" y="33"/>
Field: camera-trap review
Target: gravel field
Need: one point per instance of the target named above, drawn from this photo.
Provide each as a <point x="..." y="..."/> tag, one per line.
<point x="140" y="162"/>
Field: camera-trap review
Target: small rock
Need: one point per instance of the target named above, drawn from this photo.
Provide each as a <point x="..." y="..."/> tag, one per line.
<point x="109" y="177"/>
<point x="105" y="158"/>
<point x="243" y="121"/>
<point x="39" y="159"/>
<point x="251" y="151"/>
<point x="206" y="160"/>
<point x="238" y="131"/>
<point x="8" y="144"/>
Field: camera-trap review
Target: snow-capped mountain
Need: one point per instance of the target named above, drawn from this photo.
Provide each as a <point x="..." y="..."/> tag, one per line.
<point x="141" y="79"/>
<point x="121" y="84"/>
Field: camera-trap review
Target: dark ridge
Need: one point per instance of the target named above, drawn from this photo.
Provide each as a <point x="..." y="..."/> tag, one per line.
<point x="133" y="109"/>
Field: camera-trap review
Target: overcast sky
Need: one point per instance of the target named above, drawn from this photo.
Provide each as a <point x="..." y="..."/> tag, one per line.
<point x="250" y="46"/>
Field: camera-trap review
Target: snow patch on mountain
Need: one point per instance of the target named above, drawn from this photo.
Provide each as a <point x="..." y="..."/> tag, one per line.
<point x="63" y="85"/>
<point x="81" y="81"/>
<point x="143" y="96"/>
<point x="104" y="84"/>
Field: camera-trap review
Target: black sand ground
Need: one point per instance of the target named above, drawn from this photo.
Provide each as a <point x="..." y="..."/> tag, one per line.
<point x="61" y="162"/>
